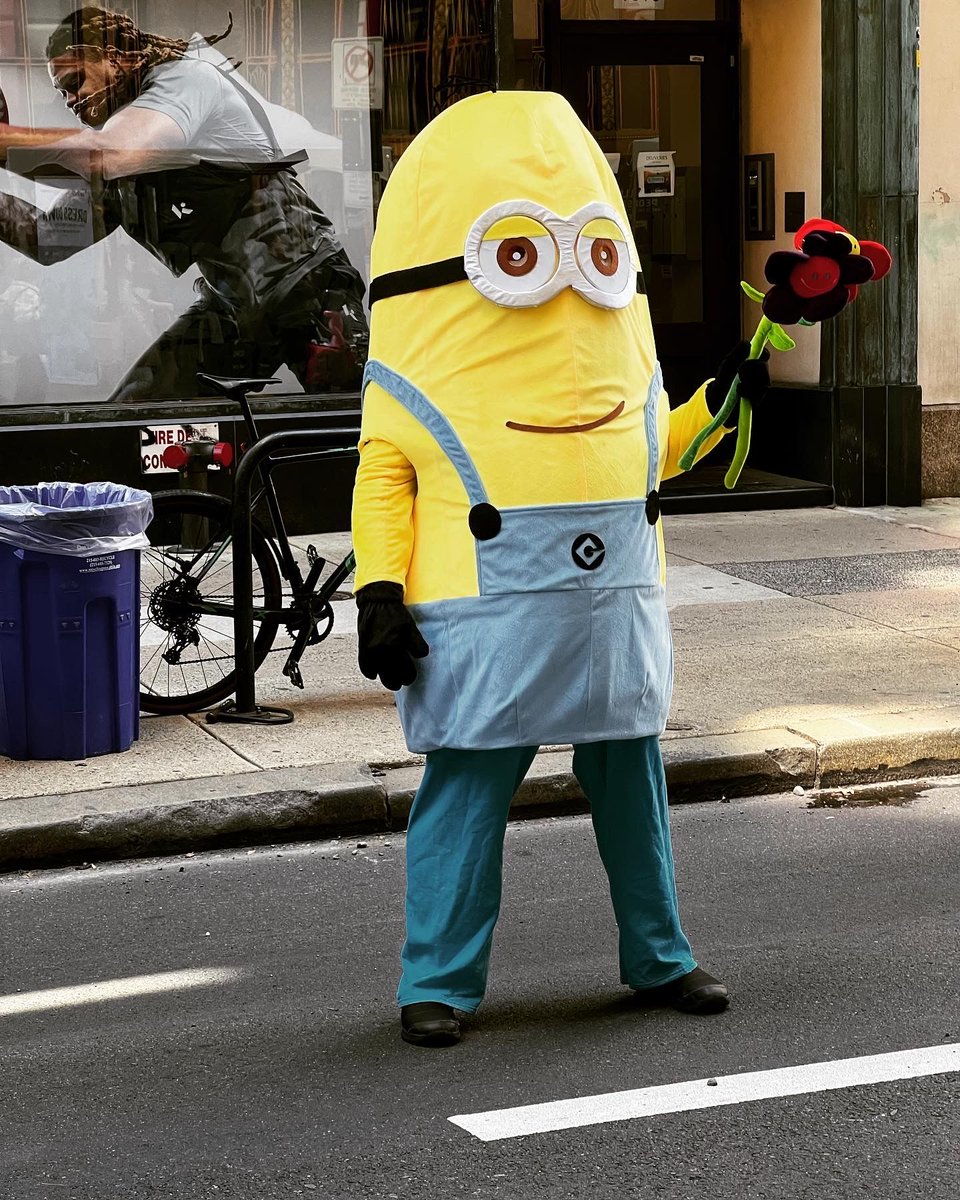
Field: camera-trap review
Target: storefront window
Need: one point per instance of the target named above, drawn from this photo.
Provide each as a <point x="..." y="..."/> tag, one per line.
<point x="638" y="10"/>
<point x="647" y="121"/>
<point x="183" y="192"/>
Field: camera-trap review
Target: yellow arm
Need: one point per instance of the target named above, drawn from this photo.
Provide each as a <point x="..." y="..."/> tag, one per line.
<point x="685" y="423"/>
<point x="382" y="521"/>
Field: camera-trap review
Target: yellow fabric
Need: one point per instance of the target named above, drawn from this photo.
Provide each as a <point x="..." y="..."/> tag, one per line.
<point x="565" y="362"/>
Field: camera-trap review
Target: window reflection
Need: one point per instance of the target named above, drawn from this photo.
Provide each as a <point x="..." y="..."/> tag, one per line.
<point x="166" y="142"/>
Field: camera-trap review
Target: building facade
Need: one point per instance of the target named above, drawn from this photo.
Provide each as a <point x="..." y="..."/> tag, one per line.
<point x="726" y="123"/>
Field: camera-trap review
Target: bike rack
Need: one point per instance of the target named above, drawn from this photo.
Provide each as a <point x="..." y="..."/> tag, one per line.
<point x="291" y="445"/>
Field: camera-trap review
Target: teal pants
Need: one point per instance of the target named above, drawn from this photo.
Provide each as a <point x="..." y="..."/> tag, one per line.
<point x="455" y="860"/>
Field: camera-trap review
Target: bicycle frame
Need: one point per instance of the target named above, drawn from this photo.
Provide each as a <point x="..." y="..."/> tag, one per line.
<point x="302" y="589"/>
<point x="263" y="456"/>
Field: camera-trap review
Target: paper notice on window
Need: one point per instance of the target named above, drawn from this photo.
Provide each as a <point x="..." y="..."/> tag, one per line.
<point x="65" y="225"/>
<point x="657" y="173"/>
<point x="639" y="5"/>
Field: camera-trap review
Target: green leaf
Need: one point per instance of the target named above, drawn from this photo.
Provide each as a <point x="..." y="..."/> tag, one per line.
<point x="781" y="340"/>
<point x="751" y="291"/>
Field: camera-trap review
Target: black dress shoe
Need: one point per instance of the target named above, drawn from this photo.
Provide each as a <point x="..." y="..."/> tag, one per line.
<point x="697" y="993"/>
<point x="429" y="1024"/>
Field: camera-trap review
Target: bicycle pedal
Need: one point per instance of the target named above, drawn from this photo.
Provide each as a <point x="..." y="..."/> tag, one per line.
<point x="313" y="555"/>
<point x="292" y="672"/>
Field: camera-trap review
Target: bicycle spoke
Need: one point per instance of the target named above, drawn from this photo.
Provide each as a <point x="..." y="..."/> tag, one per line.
<point x="146" y="666"/>
<point x="216" y="659"/>
<point x="157" y="671"/>
<point x="205" y="576"/>
<point x="202" y="575"/>
<point x="203" y="672"/>
<point x="188" y="567"/>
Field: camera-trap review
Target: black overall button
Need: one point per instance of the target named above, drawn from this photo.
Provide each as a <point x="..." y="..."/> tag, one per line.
<point x="653" y="507"/>
<point x="588" y="551"/>
<point x="484" y="521"/>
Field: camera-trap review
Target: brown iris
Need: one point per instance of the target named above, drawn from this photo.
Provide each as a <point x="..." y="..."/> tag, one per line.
<point x="605" y="256"/>
<point x="516" y="256"/>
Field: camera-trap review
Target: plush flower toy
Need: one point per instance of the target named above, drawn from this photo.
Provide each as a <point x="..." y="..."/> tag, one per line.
<point x="812" y="283"/>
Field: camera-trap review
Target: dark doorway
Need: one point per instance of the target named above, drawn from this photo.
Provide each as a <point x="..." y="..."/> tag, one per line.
<point x="661" y="98"/>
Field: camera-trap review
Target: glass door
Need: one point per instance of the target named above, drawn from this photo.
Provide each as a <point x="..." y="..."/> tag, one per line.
<point x="663" y="104"/>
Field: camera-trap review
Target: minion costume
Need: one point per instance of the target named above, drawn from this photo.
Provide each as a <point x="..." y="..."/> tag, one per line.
<point x="510" y="562"/>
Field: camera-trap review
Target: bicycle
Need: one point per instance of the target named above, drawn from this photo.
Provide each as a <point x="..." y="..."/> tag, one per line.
<point x="186" y="602"/>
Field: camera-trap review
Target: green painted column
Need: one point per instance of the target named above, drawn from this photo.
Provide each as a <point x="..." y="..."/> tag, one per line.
<point x="871" y="119"/>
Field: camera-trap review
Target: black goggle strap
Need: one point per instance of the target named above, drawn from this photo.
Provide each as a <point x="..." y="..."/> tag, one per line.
<point x="417" y="279"/>
<point x="437" y="274"/>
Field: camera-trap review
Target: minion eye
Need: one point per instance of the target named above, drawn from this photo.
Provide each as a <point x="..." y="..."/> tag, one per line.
<point x="603" y="256"/>
<point x="518" y="255"/>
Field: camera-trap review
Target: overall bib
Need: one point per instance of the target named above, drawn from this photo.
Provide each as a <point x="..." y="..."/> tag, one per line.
<point x="568" y="641"/>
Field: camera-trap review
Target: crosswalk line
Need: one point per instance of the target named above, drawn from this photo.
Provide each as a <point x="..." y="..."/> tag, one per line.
<point x="528" y="1119"/>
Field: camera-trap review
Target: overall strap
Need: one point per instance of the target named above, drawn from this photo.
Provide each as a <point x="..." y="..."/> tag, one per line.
<point x="433" y="420"/>
<point x="650" y="426"/>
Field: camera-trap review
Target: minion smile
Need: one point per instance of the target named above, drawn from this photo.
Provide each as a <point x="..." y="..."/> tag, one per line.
<point x="611" y="416"/>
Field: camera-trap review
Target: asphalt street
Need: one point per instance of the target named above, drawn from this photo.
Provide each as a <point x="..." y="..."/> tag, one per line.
<point x="250" y="1047"/>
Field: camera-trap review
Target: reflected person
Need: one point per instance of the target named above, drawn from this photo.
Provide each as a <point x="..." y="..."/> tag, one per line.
<point x="182" y="157"/>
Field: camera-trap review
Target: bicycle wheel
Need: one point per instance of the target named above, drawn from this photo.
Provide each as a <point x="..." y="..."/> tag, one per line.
<point x="186" y="576"/>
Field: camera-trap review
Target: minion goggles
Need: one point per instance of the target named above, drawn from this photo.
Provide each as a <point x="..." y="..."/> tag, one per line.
<point x="519" y="255"/>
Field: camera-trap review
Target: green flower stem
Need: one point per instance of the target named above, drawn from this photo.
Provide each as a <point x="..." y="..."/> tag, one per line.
<point x="689" y="456"/>
<point x="744" y="431"/>
<point x="745" y="423"/>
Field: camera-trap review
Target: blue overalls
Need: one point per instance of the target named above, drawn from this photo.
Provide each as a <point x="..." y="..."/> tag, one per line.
<point x="567" y="642"/>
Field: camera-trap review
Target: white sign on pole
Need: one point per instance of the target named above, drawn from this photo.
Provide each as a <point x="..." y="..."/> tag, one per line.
<point x="154" y="439"/>
<point x="357" y="189"/>
<point x="357" y="65"/>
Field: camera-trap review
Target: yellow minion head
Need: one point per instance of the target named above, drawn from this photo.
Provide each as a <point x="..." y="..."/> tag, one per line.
<point x="506" y="283"/>
<point x="477" y="155"/>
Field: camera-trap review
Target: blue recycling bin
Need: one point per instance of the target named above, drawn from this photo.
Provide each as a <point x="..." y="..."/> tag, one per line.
<point x="69" y="618"/>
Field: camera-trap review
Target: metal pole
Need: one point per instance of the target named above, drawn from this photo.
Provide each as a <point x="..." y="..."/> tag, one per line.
<point x="243" y="586"/>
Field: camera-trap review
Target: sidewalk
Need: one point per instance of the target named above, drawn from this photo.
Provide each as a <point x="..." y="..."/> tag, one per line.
<point x="815" y="648"/>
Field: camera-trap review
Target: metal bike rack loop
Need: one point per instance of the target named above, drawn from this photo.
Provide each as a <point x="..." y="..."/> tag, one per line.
<point x="287" y="446"/>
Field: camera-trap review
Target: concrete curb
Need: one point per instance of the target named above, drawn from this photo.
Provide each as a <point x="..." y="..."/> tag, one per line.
<point x="288" y="804"/>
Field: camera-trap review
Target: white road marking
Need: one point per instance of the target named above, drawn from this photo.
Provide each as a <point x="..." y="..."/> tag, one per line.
<point x="703" y="1093"/>
<point x="114" y="989"/>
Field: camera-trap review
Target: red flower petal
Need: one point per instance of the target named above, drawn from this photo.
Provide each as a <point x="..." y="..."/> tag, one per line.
<point x="853" y="291"/>
<point x="879" y="255"/>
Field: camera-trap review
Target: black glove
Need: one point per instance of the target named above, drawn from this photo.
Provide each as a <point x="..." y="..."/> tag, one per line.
<point x="754" y="381"/>
<point x="389" y="638"/>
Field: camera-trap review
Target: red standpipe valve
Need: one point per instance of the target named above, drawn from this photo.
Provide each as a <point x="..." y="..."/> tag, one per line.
<point x="175" y="457"/>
